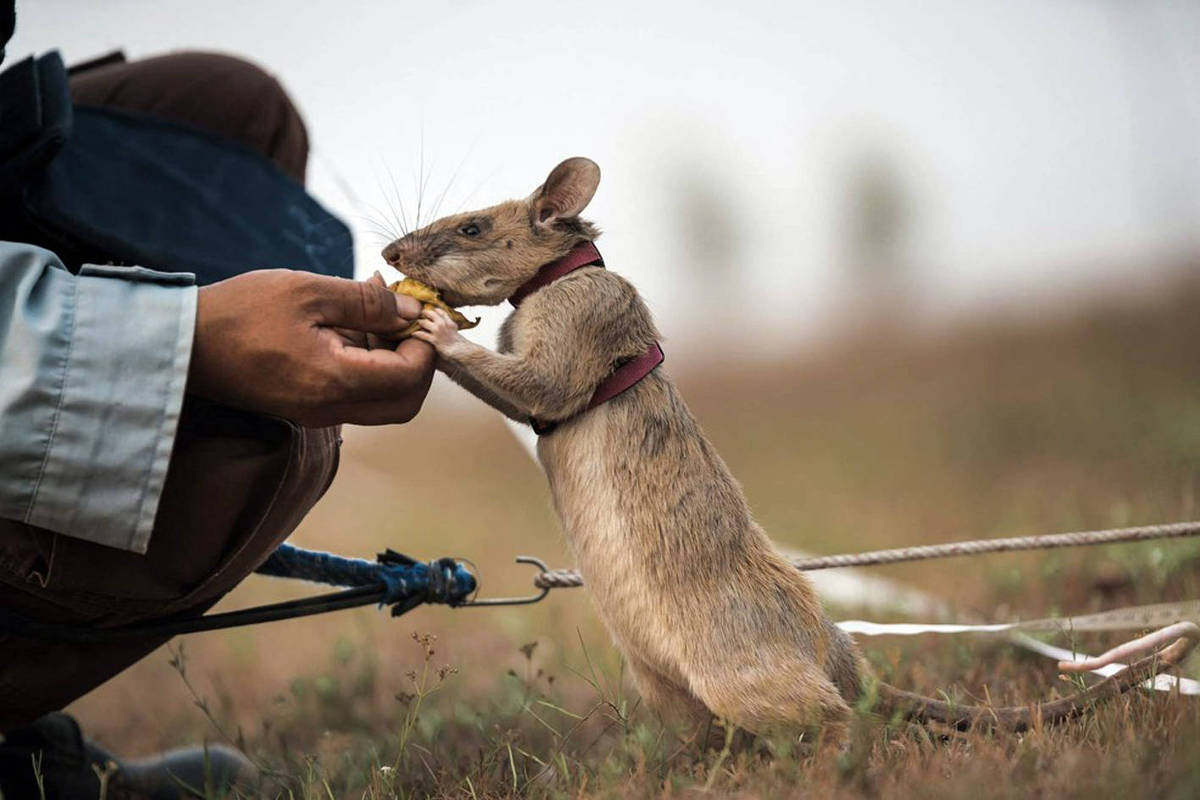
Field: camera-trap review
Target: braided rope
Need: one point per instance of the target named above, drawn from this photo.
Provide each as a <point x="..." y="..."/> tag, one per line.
<point x="441" y="581"/>
<point x="569" y="578"/>
<point x="315" y="566"/>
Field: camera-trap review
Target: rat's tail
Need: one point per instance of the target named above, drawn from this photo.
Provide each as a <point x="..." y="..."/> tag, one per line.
<point x="1018" y="718"/>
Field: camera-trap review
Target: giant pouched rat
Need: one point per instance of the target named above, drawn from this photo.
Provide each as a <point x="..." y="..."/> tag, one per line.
<point x="710" y="617"/>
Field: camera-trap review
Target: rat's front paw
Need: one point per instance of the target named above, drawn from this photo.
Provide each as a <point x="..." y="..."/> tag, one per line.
<point x="440" y="330"/>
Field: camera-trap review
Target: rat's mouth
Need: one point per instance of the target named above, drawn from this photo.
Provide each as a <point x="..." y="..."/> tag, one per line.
<point x="446" y="296"/>
<point x="429" y="297"/>
<point x="449" y="297"/>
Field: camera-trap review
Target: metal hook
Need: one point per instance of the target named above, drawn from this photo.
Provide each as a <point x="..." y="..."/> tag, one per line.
<point x="514" y="601"/>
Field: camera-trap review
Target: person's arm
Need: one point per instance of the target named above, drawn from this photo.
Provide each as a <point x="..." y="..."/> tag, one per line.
<point x="92" y="374"/>
<point x="93" y="370"/>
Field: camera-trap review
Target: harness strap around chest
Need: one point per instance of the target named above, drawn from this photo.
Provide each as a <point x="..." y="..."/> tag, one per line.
<point x="626" y="374"/>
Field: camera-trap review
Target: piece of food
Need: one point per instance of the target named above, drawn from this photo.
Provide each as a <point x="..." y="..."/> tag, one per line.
<point x="428" y="297"/>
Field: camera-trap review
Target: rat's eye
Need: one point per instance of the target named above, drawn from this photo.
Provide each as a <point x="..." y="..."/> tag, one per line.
<point x="470" y="229"/>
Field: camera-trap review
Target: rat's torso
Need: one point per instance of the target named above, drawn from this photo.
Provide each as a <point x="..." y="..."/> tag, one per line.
<point x="661" y="531"/>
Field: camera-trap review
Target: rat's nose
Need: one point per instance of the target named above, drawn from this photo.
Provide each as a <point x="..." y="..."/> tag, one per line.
<point x="391" y="253"/>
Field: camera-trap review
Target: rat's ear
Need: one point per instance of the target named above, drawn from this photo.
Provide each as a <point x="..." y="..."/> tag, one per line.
<point x="565" y="193"/>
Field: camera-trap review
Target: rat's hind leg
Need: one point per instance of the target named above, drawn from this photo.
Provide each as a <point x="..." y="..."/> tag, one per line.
<point x="775" y="697"/>
<point x="664" y="696"/>
<point x="689" y="720"/>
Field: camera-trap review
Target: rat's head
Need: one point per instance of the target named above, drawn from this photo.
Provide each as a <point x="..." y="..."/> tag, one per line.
<point x="483" y="257"/>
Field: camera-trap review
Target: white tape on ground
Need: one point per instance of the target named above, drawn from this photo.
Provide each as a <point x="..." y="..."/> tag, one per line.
<point x="861" y="626"/>
<point x="1119" y="619"/>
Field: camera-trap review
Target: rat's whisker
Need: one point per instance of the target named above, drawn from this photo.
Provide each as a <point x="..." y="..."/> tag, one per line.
<point x="420" y="176"/>
<point x="373" y="224"/>
<point x="437" y="206"/>
<point x="391" y="215"/>
<point x="402" y="217"/>
<point x="454" y="176"/>
<point x="380" y="230"/>
<point x="380" y="237"/>
<point x="380" y="219"/>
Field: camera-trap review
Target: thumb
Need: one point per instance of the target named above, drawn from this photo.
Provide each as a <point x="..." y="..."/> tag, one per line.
<point x="364" y="306"/>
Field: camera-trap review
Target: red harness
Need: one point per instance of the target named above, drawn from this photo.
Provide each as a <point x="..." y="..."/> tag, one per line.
<point x="625" y="375"/>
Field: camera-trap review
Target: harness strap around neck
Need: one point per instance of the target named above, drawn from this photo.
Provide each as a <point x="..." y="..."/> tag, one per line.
<point x="626" y="375"/>
<point x="582" y="255"/>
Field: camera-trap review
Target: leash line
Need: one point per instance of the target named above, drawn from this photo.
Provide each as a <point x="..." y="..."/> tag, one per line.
<point x="393" y="579"/>
<point x="404" y="583"/>
<point x="570" y="578"/>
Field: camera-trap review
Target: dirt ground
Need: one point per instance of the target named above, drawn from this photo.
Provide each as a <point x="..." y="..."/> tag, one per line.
<point x="995" y="429"/>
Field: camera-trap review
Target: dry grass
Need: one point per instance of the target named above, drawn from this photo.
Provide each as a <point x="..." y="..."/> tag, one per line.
<point x="994" y="431"/>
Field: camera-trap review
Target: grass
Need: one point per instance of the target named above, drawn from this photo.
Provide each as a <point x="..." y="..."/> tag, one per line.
<point x="997" y="429"/>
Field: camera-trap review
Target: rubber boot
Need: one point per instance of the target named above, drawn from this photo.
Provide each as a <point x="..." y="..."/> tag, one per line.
<point x="69" y="767"/>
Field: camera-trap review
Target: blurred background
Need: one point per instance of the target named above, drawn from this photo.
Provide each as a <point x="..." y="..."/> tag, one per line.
<point x="830" y="160"/>
<point x="924" y="271"/>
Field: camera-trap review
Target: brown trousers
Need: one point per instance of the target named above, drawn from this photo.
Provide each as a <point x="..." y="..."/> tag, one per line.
<point x="238" y="483"/>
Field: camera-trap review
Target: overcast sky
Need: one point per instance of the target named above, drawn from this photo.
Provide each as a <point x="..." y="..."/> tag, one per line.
<point x="1045" y="146"/>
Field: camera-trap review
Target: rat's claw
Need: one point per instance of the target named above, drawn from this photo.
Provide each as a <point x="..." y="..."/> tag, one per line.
<point x="430" y="300"/>
<point x="439" y="322"/>
<point x="438" y="329"/>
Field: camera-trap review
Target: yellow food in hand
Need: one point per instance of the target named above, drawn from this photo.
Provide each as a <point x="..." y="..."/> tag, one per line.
<point x="428" y="297"/>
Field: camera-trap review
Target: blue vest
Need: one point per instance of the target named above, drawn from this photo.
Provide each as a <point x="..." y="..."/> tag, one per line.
<point x="101" y="186"/>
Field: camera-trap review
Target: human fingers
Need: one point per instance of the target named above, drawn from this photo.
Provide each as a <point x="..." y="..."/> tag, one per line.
<point x="384" y="374"/>
<point x="361" y="305"/>
<point x="375" y="341"/>
<point x="374" y="412"/>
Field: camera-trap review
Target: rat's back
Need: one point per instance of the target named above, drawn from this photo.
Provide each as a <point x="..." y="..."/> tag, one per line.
<point x="707" y="613"/>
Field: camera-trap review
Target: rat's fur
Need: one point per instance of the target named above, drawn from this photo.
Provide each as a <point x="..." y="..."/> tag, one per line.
<point x="710" y="617"/>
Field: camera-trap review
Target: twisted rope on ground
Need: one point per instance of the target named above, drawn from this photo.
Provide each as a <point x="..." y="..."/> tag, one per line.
<point x="569" y="578"/>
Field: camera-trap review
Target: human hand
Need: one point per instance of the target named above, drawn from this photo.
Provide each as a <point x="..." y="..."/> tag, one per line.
<point x="295" y="345"/>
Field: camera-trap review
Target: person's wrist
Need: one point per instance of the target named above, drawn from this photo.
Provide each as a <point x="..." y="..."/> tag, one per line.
<point x="212" y="371"/>
<point x="198" y="378"/>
